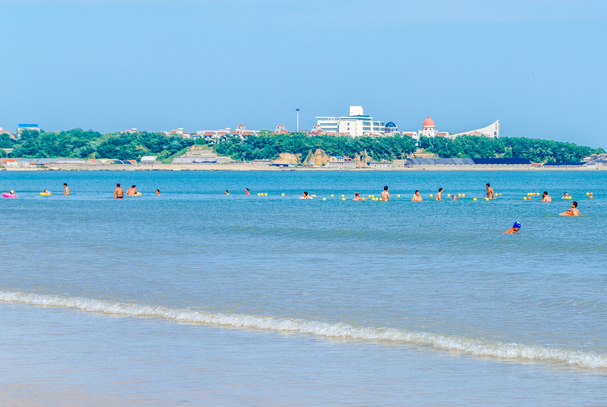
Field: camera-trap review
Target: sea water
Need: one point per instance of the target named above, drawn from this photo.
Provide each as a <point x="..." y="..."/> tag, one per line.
<point x="198" y="297"/>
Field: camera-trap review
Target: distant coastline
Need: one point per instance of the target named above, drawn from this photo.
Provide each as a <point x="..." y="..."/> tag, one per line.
<point x="250" y="167"/>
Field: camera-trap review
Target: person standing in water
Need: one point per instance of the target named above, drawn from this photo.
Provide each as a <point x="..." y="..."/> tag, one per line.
<point x="573" y="211"/>
<point x="66" y="190"/>
<point x="385" y="195"/>
<point x="157" y="192"/>
<point x="417" y="197"/>
<point x="246" y="190"/>
<point x="490" y="193"/>
<point x="438" y="195"/>
<point x="118" y="192"/>
<point x="546" y="197"/>
<point x="514" y="229"/>
<point x="358" y="198"/>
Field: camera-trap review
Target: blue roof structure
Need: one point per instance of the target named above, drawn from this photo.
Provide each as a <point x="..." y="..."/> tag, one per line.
<point x="564" y="164"/>
<point x="390" y="124"/>
<point x="501" y="161"/>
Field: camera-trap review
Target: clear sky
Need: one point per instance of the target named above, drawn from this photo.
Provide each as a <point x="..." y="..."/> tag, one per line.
<point x="108" y="65"/>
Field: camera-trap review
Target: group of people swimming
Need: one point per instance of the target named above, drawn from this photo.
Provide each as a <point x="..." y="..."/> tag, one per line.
<point x="132" y="191"/>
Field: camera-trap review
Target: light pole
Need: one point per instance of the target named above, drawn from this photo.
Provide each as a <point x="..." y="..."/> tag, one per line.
<point x="297" y="110"/>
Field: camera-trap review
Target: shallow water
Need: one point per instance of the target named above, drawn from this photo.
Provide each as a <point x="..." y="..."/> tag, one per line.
<point x="435" y="284"/>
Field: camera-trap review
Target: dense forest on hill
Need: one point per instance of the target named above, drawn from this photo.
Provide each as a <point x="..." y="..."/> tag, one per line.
<point x="536" y="150"/>
<point x="269" y="146"/>
<point x="78" y="143"/>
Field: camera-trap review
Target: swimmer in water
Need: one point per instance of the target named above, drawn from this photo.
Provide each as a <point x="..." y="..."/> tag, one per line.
<point x="13" y="193"/>
<point x="358" y="198"/>
<point x="454" y="197"/>
<point x="514" y="229"/>
<point x="385" y="195"/>
<point x="46" y="192"/>
<point x="546" y="197"/>
<point x="118" y="192"/>
<point x="305" y="196"/>
<point x="417" y="197"/>
<point x="132" y="191"/>
<point x="66" y="190"/>
<point x="157" y="192"/>
<point x="246" y="191"/>
<point x="490" y="193"/>
<point x="226" y="192"/>
<point x="438" y="195"/>
<point x="573" y="211"/>
<point x="565" y="196"/>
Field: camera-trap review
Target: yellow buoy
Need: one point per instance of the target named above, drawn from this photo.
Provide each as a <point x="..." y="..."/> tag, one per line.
<point x="324" y="199"/>
<point x="283" y="194"/>
<point x="474" y="199"/>
<point x="459" y="195"/>
<point x="431" y="196"/>
<point x="487" y="199"/>
<point x="342" y="196"/>
<point x="266" y="194"/>
<point x="398" y="196"/>
<point x="448" y="195"/>
<point x="331" y="195"/>
<point x="343" y="199"/>
<point x="524" y="198"/>
<point x="462" y="195"/>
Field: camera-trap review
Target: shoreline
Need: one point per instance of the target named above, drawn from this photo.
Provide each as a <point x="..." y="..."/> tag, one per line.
<point x="250" y="167"/>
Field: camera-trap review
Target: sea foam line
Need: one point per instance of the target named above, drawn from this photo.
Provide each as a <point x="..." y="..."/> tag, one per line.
<point x="510" y="351"/>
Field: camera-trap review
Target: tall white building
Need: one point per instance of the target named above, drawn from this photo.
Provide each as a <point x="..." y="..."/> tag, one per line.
<point x="357" y="124"/>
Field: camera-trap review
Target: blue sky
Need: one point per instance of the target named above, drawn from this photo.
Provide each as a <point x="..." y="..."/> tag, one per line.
<point x="108" y="65"/>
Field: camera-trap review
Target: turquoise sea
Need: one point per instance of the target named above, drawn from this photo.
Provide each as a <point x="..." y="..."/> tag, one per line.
<point x="198" y="298"/>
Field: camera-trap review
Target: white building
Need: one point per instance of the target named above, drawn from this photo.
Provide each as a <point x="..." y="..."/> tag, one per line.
<point x="30" y="127"/>
<point x="357" y="124"/>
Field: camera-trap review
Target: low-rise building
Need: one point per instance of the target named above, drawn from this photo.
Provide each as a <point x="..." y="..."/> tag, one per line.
<point x="149" y="160"/>
<point x="380" y="164"/>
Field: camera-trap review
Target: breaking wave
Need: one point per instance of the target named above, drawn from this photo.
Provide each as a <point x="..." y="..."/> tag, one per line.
<point x="509" y="351"/>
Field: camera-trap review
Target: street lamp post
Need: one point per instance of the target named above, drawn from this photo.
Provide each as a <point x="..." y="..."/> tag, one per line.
<point x="297" y="110"/>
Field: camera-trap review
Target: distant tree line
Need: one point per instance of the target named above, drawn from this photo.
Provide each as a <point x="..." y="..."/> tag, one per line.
<point x="266" y="145"/>
<point x="78" y="143"/>
<point x="536" y="150"/>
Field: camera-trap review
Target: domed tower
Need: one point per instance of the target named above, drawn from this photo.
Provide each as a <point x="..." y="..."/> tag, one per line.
<point x="390" y="128"/>
<point x="428" y="128"/>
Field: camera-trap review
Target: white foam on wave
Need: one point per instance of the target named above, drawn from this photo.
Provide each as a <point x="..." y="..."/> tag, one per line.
<point x="510" y="351"/>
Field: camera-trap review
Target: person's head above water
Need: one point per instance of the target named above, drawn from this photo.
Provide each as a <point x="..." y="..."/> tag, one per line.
<point x="545" y="193"/>
<point x="565" y="194"/>
<point x="574" y="204"/>
<point x="386" y="188"/>
<point x="133" y="186"/>
<point x="440" y="190"/>
<point x="118" y="185"/>
<point x="64" y="184"/>
<point x="416" y="191"/>
<point x="356" y="194"/>
<point x="305" y="193"/>
<point x="517" y="225"/>
<point x="488" y="184"/>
